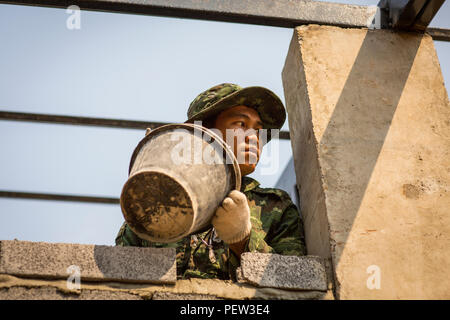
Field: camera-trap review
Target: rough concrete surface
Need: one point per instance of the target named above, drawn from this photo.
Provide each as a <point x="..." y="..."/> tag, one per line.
<point x="36" y="270"/>
<point x="14" y="287"/>
<point x="181" y="296"/>
<point x="95" y="263"/>
<point x="369" y="119"/>
<point x="51" y="293"/>
<point x="283" y="272"/>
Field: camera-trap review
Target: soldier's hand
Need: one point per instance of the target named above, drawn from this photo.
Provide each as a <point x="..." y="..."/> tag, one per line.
<point x="147" y="131"/>
<point x="232" y="219"/>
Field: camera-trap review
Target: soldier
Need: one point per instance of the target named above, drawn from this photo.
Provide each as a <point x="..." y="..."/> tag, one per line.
<point x="253" y="219"/>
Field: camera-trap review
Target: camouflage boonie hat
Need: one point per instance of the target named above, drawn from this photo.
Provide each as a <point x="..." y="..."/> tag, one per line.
<point x="227" y="95"/>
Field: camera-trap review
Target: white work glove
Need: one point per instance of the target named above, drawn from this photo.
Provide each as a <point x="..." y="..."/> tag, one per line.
<point x="232" y="218"/>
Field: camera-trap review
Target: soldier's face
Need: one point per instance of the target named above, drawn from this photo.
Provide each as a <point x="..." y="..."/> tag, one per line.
<point x="240" y="124"/>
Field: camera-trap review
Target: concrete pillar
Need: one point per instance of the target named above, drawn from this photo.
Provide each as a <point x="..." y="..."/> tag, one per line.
<point x="369" y="118"/>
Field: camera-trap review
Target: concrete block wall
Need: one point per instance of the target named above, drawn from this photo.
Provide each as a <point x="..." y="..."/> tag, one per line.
<point x="63" y="271"/>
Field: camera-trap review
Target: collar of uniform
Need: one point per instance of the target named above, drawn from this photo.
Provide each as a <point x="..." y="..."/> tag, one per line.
<point x="248" y="184"/>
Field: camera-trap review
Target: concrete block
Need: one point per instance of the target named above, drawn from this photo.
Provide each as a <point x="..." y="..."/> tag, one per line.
<point x="13" y="287"/>
<point x="370" y="132"/>
<point x="283" y="272"/>
<point x="95" y="263"/>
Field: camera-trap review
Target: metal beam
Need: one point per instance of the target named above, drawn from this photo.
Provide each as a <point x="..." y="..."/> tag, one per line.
<point x="414" y="15"/>
<point x="83" y="121"/>
<point x="427" y="14"/>
<point x="279" y="13"/>
<point x="87" y="121"/>
<point x="439" y="34"/>
<point x="57" y="197"/>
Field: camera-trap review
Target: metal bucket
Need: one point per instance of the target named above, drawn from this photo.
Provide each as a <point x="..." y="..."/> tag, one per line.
<point x="169" y="196"/>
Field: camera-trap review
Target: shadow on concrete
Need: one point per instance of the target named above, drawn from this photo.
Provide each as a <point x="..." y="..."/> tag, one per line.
<point x="363" y="114"/>
<point x="135" y="267"/>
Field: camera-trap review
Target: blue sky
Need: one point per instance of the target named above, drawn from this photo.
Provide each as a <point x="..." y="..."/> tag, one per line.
<point x="115" y="66"/>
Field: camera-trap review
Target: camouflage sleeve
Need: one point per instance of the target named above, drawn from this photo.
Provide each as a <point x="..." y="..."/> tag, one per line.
<point x="256" y="242"/>
<point x="287" y="237"/>
<point x="126" y="237"/>
<point x="285" y="233"/>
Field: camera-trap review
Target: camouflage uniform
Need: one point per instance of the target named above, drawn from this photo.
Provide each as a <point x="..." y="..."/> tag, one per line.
<point x="276" y="228"/>
<point x="276" y="224"/>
